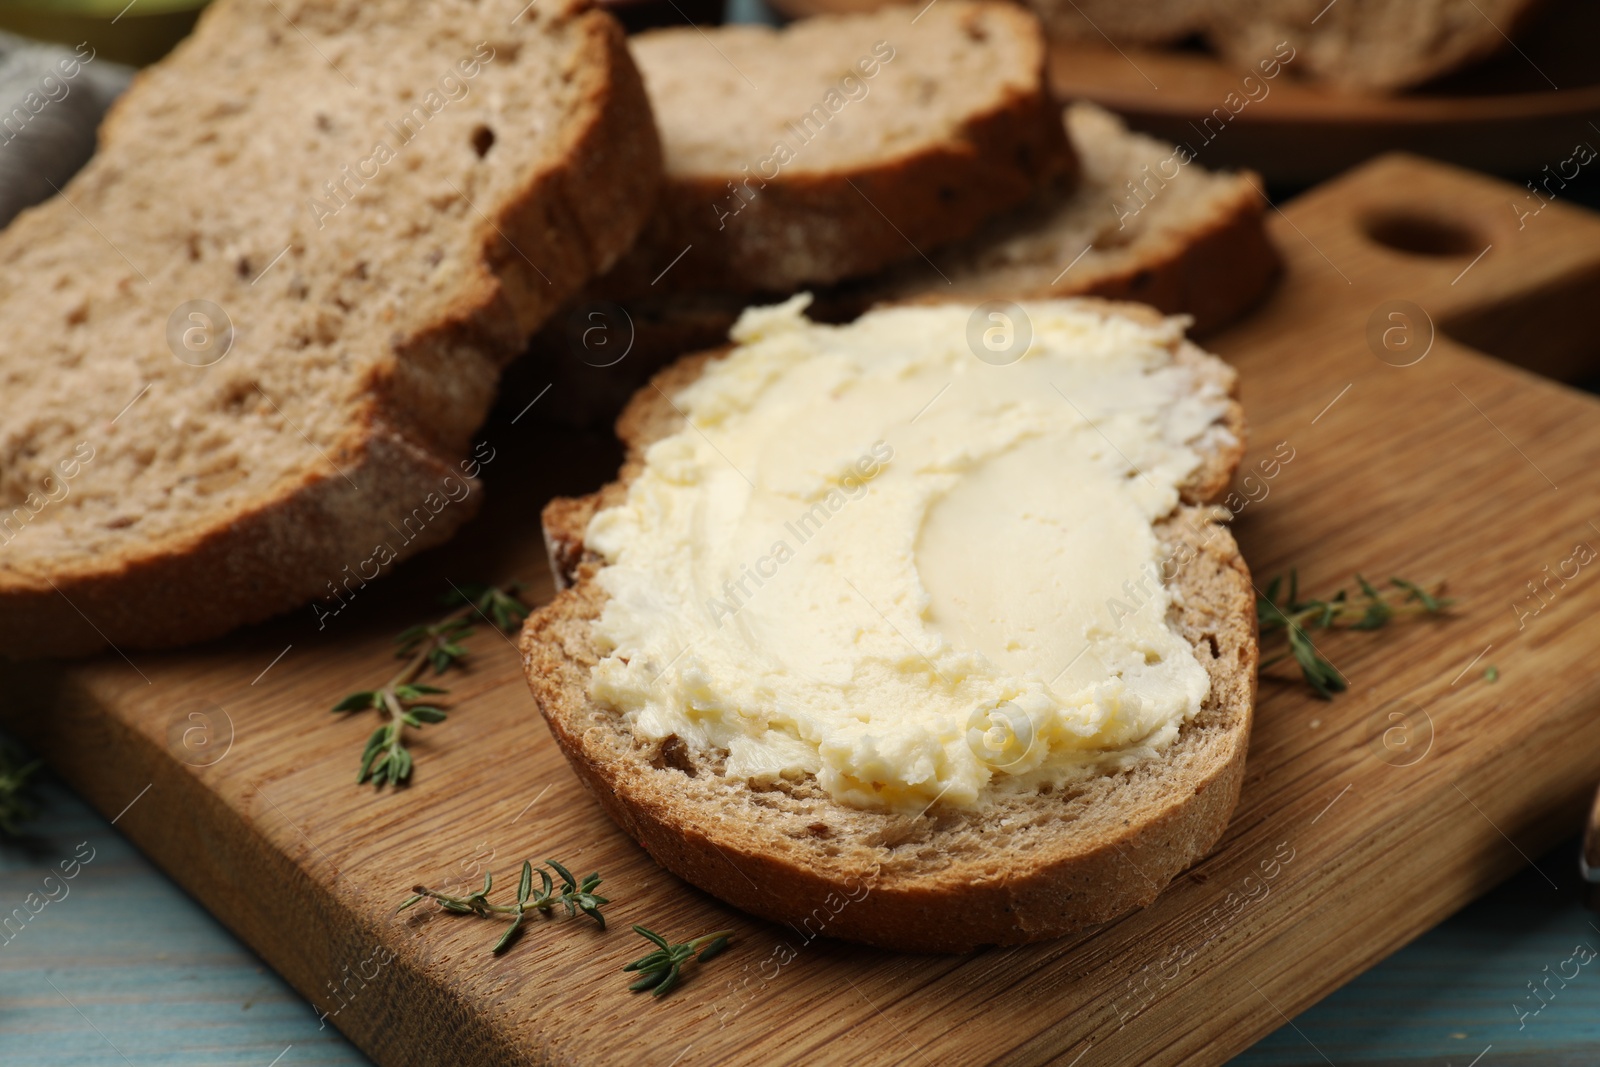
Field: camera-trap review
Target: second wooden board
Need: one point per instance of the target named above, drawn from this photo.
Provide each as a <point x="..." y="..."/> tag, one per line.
<point x="1527" y="109"/>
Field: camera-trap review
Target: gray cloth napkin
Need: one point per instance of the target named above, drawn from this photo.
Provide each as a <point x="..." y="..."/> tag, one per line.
<point x="51" y="101"/>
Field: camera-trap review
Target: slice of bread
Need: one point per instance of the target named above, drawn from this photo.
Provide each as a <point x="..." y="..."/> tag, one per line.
<point x="1146" y="223"/>
<point x="383" y="202"/>
<point x="837" y="146"/>
<point x="1019" y="868"/>
<point x="1357" y="45"/>
<point x="1139" y="225"/>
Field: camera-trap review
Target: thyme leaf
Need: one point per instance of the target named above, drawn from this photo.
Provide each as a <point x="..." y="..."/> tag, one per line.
<point x="1375" y="608"/>
<point x="403" y="699"/>
<point x="661" y="971"/>
<point x="577" y="896"/>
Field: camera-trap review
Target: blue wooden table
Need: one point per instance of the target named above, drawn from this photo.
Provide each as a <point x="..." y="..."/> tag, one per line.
<point x="124" y="970"/>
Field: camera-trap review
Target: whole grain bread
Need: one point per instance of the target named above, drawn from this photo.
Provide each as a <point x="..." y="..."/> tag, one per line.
<point x="1021" y="868"/>
<point x="1140" y="224"/>
<point x="1146" y="222"/>
<point x="1357" y="45"/>
<point x="383" y="201"/>
<point x="837" y="146"/>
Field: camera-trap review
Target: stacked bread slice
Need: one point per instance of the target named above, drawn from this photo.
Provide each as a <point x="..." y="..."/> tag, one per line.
<point x="1144" y="220"/>
<point x="835" y="147"/>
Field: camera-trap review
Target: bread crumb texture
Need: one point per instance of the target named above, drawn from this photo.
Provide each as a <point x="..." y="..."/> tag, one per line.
<point x="264" y="321"/>
<point x="836" y="146"/>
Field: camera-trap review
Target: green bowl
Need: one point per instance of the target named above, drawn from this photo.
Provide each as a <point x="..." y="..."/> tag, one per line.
<point x="137" y="33"/>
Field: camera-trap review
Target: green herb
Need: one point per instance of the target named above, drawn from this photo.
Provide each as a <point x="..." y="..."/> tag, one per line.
<point x="576" y="896"/>
<point x="1492" y="673"/>
<point x="405" y="700"/>
<point x="1298" y="617"/>
<point x="662" y="969"/>
<point x="16" y="804"/>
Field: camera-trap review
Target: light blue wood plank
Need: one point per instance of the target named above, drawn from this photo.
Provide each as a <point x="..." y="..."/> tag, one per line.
<point x="124" y="968"/>
<point x="1450" y="995"/>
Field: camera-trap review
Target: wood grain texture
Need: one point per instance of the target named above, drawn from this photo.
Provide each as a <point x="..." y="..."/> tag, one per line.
<point x="1458" y="466"/>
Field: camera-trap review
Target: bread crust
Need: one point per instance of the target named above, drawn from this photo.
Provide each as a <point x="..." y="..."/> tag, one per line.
<point x="249" y="568"/>
<point x="1023" y="869"/>
<point x="294" y="543"/>
<point x="1214" y="271"/>
<point x="1221" y="270"/>
<point x="808" y="229"/>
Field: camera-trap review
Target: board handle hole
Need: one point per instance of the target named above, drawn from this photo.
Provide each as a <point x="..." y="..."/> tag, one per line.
<point x="1418" y="234"/>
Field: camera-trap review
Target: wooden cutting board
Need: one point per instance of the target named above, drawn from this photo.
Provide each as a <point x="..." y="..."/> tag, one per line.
<point x="1364" y="820"/>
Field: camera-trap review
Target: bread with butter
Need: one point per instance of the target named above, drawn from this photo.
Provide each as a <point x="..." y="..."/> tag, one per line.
<point x="1017" y="865"/>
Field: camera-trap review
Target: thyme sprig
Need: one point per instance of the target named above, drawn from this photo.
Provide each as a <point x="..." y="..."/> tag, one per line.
<point x="16" y="803"/>
<point x="1375" y="608"/>
<point x="662" y="969"/>
<point x="406" y="701"/>
<point x="659" y="971"/>
<point x="574" y="895"/>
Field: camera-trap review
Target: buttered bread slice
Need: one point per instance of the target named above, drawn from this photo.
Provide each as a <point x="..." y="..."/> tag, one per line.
<point x="928" y="611"/>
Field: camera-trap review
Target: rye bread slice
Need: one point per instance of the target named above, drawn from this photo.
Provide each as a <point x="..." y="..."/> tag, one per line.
<point x="162" y="480"/>
<point x="834" y="147"/>
<point x="1146" y="223"/>
<point x="1023" y="868"/>
<point x="1137" y="226"/>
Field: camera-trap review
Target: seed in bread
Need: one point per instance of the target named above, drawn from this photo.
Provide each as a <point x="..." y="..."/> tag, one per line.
<point x="828" y="715"/>
<point x="265" y="320"/>
<point x="836" y="146"/>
